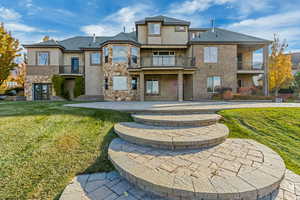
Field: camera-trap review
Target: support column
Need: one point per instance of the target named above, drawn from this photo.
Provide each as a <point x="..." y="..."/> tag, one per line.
<point x="266" y="69"/>
<point x="180" y="86"/>
<point x="142" y="86"/>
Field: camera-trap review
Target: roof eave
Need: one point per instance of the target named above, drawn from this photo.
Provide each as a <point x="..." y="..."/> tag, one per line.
<point x="42" y="46"/>
<point x="230" y="42"/>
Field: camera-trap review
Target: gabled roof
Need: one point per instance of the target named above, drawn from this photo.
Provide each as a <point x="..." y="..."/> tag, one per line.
<point x="86" y="42"/>
<point x="225" y="36"/>
<point x="165" y="20"/>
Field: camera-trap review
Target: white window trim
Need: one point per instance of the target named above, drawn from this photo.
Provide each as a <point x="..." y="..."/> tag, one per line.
<point x="213" y="87"/>
<point x="209" y="56"/>
<point x="120" y="83"/>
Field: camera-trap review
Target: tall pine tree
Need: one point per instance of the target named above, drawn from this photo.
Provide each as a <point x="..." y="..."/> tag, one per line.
<point x="9" y="48"/>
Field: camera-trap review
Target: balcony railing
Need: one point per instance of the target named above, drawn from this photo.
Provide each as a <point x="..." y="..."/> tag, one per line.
<point x="167" y="61"/>
<point x="250" y="65"/>
<point x="68" y="69"/>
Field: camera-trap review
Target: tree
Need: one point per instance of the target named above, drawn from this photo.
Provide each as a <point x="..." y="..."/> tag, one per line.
<point x="46" y="38"/>
<point x="296" y="83"/>
<point x="280" y="66"/>
<point x="9" y="48"/>
<point x="20" y="79"/>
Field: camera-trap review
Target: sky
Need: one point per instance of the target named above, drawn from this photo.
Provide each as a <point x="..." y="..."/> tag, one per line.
<point x="30" y="20"/>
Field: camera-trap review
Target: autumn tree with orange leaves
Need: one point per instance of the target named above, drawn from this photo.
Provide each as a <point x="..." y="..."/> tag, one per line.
<point x="9" y="50"/>
<point x="280" y="66"/>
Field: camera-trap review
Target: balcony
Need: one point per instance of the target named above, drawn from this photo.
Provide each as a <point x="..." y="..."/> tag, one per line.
<point x="71" y="70"/>
<point x="167" y="62"/>
<point x="250" y="68"/>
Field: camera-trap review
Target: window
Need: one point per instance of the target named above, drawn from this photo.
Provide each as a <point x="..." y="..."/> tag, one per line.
<point x="134" y="55"/>
<point x="120" y="54"/>
<point x="210" y="54"/>
<point x="106" y="84"/>
<point x="43" y="58"/>
<point x="74" y="65"/>
<point x="152" y="87"/>
<point x="134" y="83"/>
<point x="180" y="29"/>
<point x="95" y="58"/>
<point x="106" y="53"/>
<point x="153" y="29"/>
<point x="164" y="58"/>
<point x="213" y="84"/>
<point x="120" y="83"/>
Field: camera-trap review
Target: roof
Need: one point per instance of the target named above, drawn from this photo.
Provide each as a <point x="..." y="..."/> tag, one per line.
<point x="165" y="20"/>
<point x="225" y="36"/>
<point x="86" y="42"/>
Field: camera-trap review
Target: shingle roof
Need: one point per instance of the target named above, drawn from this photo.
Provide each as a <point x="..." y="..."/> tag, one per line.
<point x="164" y="19"/>
<point x="226" y="36"/>
<point x="85" y="42"/>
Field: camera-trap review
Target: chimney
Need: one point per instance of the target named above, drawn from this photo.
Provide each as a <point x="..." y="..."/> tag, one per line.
<point x="124" y="30"/>
<point x="212" y="25"/>
<point x="94" y="38"/>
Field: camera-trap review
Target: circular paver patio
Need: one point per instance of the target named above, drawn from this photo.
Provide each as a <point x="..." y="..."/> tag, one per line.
<point x="172" y="137"/>
<point x="235" y="169"/>
<point x="177" y="120"/>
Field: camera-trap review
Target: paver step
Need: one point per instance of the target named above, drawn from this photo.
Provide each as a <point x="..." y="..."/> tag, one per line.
<point x="235" y="169"/>
<point x="177" y="120"/>
<point x="172" y="137"/>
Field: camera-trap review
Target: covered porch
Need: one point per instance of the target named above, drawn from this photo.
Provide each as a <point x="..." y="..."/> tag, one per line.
<point x="165" y="85"/>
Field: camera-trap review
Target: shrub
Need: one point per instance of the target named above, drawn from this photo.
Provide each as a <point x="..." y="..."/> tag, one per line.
<point x="79" y="86"/>
<point x="58" y="85"/>
<point x="251" y="97"/>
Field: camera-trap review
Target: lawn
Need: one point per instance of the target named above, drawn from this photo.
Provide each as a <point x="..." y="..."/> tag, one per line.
<point x="278" y="128"/>
<point x="44" y="145"/>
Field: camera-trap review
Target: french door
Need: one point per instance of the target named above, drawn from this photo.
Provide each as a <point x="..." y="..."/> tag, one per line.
<point x="74" y="65"/>
<point x="41" y="91"/>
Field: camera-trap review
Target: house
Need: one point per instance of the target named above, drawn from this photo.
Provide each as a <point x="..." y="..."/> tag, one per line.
<point x="164" y="59"/>
<point x="295" y="62"/>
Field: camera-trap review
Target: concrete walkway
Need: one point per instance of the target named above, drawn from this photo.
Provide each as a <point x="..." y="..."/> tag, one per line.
<point x="180" y="107"/>
<point x="111" y="186"/>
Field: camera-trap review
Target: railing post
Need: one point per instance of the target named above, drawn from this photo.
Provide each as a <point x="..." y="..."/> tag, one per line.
<point x="266" y="69"/>
<point x="142" y="86"/>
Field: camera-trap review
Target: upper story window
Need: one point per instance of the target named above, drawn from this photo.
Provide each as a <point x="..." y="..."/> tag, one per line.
<point x="134" y="55"/>
<point x="163" y="58"/>
<point x="180" y="29"/>
<point x="210" y="54"/>
<point x="43" y="58"/>
<point x="95" y="58"/>
<point x="106" y="53"/>
<point x="120" y="54"/>
<point x="153" y="28"/>
<point x="213" y="84"/>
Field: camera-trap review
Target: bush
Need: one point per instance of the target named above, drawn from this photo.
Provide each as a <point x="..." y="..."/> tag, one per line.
<point x="58" y="85"/>
<point x="79" y="86"/>
<point x="251" y="97"/>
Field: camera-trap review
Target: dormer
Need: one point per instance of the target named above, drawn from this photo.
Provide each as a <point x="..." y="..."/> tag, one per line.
<point x="162" y="30"/>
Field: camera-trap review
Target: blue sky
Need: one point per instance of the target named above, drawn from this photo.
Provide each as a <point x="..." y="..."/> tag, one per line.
<point x="30" y="20"/>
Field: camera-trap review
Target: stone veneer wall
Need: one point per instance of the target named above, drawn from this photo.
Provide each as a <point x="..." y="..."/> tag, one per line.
<point x="31" y="79"/>
<point x="110" y="70"/>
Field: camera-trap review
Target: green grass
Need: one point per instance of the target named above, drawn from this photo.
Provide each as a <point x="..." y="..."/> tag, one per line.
<point x="278" y="128"/>
<point x="44" y="145"/>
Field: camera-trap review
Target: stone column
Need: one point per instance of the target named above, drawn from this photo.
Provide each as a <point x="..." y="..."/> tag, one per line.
<point x="142" y="86"/>
<point x="266" y="69"/>
<point x="180" y="85"/>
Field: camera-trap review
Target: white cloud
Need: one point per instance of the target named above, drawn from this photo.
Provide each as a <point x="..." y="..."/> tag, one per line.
<point x="100" y="29"/>
<point x="20" y="27"/>
<point x="114" y="23"/>
<point x="191" y="6"/>
<point x="287" y="25"/>
<point x="8" y="14"/>
<point x="244" y="8"/>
